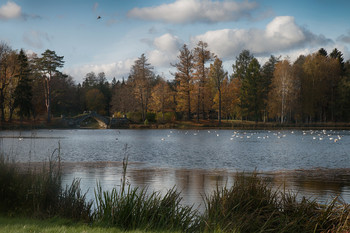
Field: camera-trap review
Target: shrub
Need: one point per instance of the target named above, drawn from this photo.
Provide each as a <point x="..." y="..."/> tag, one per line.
<point x="134" y="116"/>
<point x="151" y="117"/>
<point x="167" y="118"/>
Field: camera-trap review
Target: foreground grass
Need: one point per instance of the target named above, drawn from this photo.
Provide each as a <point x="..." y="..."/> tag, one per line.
<point x="16" y="225"/>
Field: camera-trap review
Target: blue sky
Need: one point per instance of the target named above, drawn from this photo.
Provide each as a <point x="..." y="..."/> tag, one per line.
<point x="127" y="29"/>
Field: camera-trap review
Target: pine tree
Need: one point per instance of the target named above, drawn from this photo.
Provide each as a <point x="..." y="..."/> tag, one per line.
<point x="240" y="72"/>
<point x="47" y="65"/>
<point x="267" y="76"/>
<point x="23" y="91"/>
<point x="252" y="89"/>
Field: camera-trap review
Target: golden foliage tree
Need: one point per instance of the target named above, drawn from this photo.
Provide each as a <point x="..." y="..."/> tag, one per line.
<point x="161" y="99"/>
<point x="282" y="91"/>
<point x="217" y="76"/>
<point x="141" y="77"/>
<point x="184" y="78"/>
<point x="201" y="56"/>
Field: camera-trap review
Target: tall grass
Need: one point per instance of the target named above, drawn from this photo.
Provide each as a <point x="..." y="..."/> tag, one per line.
<point x="133" y="208"/>
<point x="39" y="193"/>
<point x="251" y="205"/>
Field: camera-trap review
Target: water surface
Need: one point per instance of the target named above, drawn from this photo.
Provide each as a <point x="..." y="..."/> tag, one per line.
<point x="310" y="162"/>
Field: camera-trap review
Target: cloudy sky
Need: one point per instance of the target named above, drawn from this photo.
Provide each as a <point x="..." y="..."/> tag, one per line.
<point x="158" y="29"/>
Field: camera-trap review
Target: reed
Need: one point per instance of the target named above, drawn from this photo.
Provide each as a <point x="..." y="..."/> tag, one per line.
<point x="38" y="193"/>
<point x="251" y="205"/>
<point x="135" y="208"/>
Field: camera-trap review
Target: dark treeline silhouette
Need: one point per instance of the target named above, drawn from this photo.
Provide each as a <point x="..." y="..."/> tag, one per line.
<point x="313" y="88"/>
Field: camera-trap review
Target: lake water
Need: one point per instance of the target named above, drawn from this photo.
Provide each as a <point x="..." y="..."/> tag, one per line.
<point x="313" y="163"/>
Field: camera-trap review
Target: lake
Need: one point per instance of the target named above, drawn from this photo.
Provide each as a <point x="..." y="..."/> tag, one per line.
<point x="311" y="162"/>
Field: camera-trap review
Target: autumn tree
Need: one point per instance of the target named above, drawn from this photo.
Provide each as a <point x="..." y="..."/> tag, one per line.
<point x="123" y="100"/>
<point x="201" y="55"/>
<point x="217" y="76"/>
<point x="7" y="72"/>
<point x="65" y="98"/>
<point x="95" y="101"/>
<point x="161" y="99"/>
<point x="298" y="77"/>
<point x="184" y="78"/>
<point x="23" y="91"/>
<point x="48" y="66"/>
<point x="282" y="93"/>
<point x="11" y="64"/>
<point x="141" y="77"/>
<point x="318" y="85"/>
<point x="231" y="98"/>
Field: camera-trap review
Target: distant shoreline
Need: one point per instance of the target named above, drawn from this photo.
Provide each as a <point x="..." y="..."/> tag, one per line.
<point x="202" y="124"/>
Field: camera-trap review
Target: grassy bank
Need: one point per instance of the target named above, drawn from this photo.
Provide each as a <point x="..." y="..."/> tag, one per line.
<point x="34" y="201"/>
<point x="55" y="225"/>
<point x="56" y="123"/>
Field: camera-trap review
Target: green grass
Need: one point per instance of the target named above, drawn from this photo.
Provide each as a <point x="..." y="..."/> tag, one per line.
<point x="16" y="225"/>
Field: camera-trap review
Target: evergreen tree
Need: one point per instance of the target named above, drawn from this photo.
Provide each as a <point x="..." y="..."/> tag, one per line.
<point x="267" y="76"/>
<point x="48" y="66"/>
<point x="322" y="52"/>
<point x="240" y="72"/>
<point x="252" y="89"/>
<point x="23" y="91"/>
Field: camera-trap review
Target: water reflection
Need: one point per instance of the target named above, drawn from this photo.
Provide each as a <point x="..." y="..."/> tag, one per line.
<point x="194" y="184"/>
<point x="194" y="160"/>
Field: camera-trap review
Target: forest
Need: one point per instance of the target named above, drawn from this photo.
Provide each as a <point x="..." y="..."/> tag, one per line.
<point x="313" y="88"/>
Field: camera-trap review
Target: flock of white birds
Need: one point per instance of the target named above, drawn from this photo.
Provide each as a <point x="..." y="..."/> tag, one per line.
<point x="320" y="135"/>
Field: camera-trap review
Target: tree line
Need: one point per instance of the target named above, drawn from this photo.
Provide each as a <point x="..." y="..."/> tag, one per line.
<point x="313" y="88"/>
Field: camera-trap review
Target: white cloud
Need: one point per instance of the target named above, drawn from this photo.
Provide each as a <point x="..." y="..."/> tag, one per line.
<point x="281" y="34"/>
<point x="187" y="11"/>
<point x="10" y="11"/>
<point x="166" y="50"/>
<point x="115" y="69"/>
<point x="35" y="39"/>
